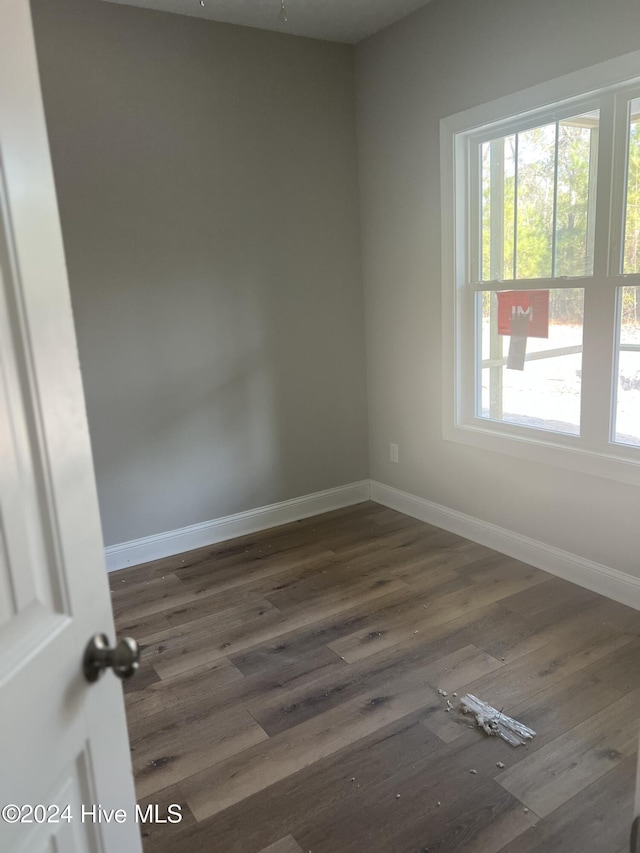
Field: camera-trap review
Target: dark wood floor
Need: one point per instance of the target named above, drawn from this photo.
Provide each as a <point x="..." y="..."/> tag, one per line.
<point x="288" y="695"/>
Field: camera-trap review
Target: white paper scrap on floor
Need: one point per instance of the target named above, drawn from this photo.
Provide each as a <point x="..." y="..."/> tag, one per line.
<point x="494" y="722"/>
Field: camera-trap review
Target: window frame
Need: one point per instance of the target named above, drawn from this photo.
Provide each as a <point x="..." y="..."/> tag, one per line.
<point x="609" y="87"/>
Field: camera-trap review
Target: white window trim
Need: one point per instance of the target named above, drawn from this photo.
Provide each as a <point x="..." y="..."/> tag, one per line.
<point x="614" y="461"/>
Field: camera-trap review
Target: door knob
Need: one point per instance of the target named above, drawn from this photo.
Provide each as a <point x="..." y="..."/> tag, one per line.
<point x="124" y="658"/>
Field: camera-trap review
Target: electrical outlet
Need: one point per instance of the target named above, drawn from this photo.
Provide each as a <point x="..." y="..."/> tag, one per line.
<point x="393" y="452"/>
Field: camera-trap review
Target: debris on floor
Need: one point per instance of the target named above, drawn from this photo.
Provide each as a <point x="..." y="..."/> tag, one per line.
<point x="494" y="722"/>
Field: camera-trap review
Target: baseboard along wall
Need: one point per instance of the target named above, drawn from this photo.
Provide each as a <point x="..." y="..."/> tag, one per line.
<point x="599" y="578"/>
<point x="229" y="527"/>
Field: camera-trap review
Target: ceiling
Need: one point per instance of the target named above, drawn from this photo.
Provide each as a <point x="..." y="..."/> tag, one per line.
<point x="335" y="20"/>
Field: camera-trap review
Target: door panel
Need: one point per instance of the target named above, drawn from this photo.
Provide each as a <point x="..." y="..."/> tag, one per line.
<point x="65" y="835"/>
<point x="62" y="741"/>
<point x="30" y="581"/>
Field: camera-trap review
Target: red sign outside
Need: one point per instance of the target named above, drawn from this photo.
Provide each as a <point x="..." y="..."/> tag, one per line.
<point x="533" y="304"/>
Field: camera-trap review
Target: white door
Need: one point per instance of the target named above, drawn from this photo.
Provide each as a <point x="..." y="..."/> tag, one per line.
<point x="63" y="741"/>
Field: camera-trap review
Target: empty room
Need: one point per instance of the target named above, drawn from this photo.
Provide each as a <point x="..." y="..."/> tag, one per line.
<point x="320" y="426"/>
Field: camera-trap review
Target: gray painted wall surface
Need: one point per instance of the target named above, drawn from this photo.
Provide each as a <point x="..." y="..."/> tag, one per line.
<point x="450" y="56"/>
<point x="207" y="185"/>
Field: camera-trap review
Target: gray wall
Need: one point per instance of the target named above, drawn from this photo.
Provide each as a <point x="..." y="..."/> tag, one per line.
<point x="450" y="56"/>
<point x="207" y="185"/>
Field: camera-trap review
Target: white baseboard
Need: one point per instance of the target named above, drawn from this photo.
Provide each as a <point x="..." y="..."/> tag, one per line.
<point x="599" y="578"/>
<point x="209" y="532"/>
<point x="604" y="580"/>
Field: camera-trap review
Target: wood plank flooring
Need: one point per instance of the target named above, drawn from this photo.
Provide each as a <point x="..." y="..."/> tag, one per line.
<point x="288" y="695"/>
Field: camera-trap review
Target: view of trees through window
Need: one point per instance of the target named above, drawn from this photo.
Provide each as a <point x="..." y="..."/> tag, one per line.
<point x="538" y="201"/>
<point x="632" y="212"/>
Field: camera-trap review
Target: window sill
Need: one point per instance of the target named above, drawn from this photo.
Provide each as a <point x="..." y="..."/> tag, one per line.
<point x="549" y="448"/>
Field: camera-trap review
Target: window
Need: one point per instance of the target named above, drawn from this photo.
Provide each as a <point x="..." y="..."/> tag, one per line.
<point x="541" y="272"/>
<point x="627" y="408"/>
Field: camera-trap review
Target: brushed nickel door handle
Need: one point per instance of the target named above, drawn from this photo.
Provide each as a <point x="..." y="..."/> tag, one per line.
<point x="124" y="658"/>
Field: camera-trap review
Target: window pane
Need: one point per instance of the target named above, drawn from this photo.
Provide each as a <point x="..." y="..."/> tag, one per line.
<point x="498" y="186"/>
<point x="538" y="200"/>
<point x="632" y="213"/>
<point x="485" y="247"/>
<point x="543" y="390"/>
<point x="535" y="201"/>
<point x="627" y="429"/>
<point x="575" y="217"/>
